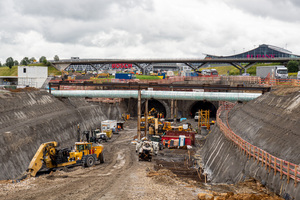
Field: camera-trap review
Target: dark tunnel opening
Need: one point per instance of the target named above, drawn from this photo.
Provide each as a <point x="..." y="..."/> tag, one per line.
<point x="152" y="103"/>
<point x="204" y="105"/>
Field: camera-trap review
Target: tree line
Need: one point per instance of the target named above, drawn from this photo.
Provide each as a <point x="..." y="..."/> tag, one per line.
<point x="26" y="61"/>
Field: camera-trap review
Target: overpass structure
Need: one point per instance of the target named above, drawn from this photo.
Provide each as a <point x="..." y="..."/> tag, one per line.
<point x="194" y="63"/>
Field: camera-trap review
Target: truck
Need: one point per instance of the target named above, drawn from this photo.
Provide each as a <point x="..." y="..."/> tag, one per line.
<point x="278" y="72"/>
<point x="49" y="157"/>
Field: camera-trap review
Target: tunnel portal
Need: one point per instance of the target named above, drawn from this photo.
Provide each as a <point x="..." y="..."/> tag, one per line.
<point x="152" y="103"/>
<point x="204" y="105"/>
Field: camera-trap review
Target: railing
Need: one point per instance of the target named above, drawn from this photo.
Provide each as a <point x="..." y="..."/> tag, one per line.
<point x="269" y="161"/>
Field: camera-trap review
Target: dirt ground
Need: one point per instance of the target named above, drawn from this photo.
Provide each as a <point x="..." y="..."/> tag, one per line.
<point x="122" y="176"/>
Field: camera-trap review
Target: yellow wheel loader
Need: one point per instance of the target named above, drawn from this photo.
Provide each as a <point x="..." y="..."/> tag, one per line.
<point x="49" y="157"/>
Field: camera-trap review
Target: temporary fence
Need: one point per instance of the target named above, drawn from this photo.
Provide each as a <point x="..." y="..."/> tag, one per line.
<point x="276" y="82"/>
<point x="260" y="156"/>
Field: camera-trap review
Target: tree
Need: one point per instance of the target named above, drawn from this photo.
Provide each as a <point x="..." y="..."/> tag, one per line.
<point x="293" y="66"/>
<point x="10" y="62"/>
<point x="16" y="63"/>
<point x="25" y="61"/>
<point x="43" y="59"/>
<point x="0" y="64"/>
<point x="56" y="58"/>
<point x="32" y="60"/>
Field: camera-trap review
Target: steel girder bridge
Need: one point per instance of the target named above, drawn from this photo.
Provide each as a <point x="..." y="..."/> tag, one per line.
<point x="242" y="64"/>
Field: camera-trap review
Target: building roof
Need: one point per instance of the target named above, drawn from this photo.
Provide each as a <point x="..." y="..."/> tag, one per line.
<point x="257" y="50"/>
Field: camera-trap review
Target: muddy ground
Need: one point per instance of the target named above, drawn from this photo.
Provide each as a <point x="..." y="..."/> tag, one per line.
<point x="122" y="176"/>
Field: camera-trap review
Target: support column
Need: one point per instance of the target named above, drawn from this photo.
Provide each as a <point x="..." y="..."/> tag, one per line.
<point x="176" y="109"/>
<point x="146" y="117"/>
<point x="139" y="115"/>
<point x="172" y="106"/>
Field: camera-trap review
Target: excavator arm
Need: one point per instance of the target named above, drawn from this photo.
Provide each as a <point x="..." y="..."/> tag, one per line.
<point x="37" y="161"/>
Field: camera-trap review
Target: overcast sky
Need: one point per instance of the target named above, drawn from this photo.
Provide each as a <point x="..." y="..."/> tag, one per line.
<point x="145" y="28"/>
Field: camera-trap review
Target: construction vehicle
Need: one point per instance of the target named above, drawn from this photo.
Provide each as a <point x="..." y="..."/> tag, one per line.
<point x="145" y="150"/>
<point x="183" y="127"/>
<point x="153" y="112"/>
<point x="155" y="127"/>
<point x="98" y="136"/>
<point x="50" y="157"/>
<point x="102" y="75"/>
<point x="143" y="122"/>
<point x="157" y="143"/>
<point x="167" y="126"/>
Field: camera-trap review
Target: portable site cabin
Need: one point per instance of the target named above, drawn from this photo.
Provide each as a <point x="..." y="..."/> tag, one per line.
<point x="108" y="125"/>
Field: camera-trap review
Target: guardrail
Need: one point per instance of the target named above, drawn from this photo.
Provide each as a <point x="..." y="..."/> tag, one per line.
<point x="269" y="161"/>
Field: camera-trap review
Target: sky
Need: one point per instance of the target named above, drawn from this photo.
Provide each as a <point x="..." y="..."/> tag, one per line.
<point x="145" y="28"/>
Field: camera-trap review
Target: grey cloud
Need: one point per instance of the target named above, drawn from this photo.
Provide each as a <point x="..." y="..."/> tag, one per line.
<point x="76" y="10"/>
<point x="286" y="10"/>
<point x="70" y="21"/>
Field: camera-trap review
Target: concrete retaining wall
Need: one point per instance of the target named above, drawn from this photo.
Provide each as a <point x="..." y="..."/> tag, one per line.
<point x="29" y="119"/>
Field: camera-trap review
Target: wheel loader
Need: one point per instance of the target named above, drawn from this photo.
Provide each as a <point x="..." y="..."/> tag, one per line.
<point x="50" y="157"/>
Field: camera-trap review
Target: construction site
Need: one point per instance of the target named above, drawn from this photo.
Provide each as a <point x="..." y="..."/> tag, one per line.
<point x="107" y="142"/>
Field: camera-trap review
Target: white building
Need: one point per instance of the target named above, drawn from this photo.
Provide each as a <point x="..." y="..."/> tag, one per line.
<point x="32" y="76"/>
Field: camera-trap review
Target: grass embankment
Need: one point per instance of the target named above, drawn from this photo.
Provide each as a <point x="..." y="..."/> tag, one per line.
<point x="223" y="70"/>
<point x="146" y="77"/>
<point x="5" y="71"/>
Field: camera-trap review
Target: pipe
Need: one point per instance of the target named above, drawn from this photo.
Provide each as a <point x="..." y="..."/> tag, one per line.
<point x="209" y="96"/>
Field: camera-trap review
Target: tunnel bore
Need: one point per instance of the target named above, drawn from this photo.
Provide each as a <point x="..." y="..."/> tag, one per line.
<point x="152" y="103"/>
<point x="203" y="105"/>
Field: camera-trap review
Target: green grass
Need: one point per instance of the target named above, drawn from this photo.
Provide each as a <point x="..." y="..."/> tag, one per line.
<point x="5" y="71"/>
<point x="293" y="74"/>
<point x="146" y="77"/>
<point x="53" y="71"/>
<point x="222" y="70"/>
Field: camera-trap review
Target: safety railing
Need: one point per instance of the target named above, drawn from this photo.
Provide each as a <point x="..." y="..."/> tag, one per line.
<point x="260" y="156"/>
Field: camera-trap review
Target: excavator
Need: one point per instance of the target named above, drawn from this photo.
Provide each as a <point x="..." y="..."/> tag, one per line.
<point x="49" y="157"/>
<point x="153" y="112"/>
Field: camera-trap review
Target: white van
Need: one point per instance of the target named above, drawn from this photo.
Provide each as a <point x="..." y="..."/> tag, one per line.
<point x="298" y="75"/>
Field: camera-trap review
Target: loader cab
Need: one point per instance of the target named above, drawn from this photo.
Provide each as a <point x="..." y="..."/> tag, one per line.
<point x="83" y="147"/>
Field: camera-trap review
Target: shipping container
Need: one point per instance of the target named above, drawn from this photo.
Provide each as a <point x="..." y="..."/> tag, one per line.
<point x="124" y="76"/>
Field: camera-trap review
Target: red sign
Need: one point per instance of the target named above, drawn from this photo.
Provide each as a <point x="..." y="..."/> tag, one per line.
<point x="121" y="66"/>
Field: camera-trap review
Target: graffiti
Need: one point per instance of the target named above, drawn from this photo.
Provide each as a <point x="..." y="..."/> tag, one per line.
<point x="121" y="66"/>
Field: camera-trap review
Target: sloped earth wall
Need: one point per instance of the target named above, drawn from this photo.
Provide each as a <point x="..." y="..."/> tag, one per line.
<point x="271" y="123"/>
<point x="29" y="119"/>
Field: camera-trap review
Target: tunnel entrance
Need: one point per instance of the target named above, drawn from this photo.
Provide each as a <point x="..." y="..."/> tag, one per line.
<point x="158" y="106"/>
<point x="204" y="105"/>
